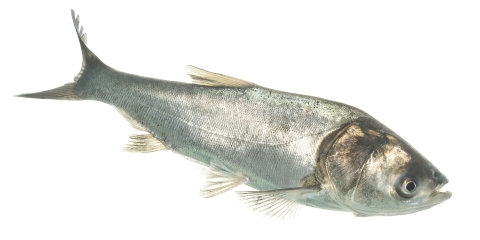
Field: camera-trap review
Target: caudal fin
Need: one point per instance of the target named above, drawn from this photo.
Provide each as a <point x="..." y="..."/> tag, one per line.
<point x="69" y="90"/>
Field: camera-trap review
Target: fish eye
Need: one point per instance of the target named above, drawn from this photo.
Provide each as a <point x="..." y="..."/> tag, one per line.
<point x="406" y="187"/>
<point x="410" y="186"/>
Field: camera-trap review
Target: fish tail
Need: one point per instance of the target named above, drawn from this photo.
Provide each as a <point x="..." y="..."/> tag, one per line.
<point x="72" y="90"/>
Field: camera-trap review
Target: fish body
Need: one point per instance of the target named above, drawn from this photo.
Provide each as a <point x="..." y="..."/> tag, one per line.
<point x="262" y="133"/>
<point x="295" y="149"/>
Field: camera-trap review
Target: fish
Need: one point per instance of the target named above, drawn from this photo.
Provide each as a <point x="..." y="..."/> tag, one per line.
<point x="294" y="150"/>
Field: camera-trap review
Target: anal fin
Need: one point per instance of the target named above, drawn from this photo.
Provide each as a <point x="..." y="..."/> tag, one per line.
<point x="134" y="123"/>
<point x="280" y="203"/>
<point x="219" y="181"/>
<point x="144" y="143"/>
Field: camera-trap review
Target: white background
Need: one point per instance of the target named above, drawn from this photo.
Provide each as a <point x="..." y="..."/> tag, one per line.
<point x="413" y="65"/>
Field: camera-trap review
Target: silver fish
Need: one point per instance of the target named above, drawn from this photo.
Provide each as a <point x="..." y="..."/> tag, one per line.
<point x="295" y="150"/>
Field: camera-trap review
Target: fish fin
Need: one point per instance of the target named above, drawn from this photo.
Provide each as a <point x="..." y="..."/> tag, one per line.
<point x="89" y="58"/>
<point x="134" y="123"/>
<point x="141" y="142"/>
<point x="144" y="143"/>
<point x="70" y="91"/>
<point x="206" y="78"/>
<point x="78" y="27"/>
<point x="64" y="92"/>
<point x="357" y="214"/>
<point x="280" y="203"/>
<point x="220" y="180"/>
<point x="82" y="37"/>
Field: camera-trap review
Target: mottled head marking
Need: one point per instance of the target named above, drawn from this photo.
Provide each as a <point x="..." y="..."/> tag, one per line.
<point x="375" y="173"/>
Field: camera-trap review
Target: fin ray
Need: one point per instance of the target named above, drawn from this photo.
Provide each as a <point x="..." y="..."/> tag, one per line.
<point x="78" y="27"/>
<point x="219" y="181"/>
<point x="144" y="143"/>
<point x="281" y="203"/>
<point x="64" y="92"/>
<point x="206" y="78"/>
<point x="73" y="91"/>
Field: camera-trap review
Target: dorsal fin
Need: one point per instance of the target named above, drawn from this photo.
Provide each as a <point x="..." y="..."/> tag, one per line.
<point x="206" y="78"/>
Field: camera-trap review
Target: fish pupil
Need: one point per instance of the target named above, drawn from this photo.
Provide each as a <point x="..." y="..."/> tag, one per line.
<point x="410" y="186"/>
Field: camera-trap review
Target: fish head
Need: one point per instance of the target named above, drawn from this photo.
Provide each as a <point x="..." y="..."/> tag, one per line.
<point x="377" y="173"/>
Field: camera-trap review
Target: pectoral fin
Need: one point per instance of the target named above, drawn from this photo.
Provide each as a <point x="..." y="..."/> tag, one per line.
<point x="220" y="180"/>
<point x="280" y="203"/>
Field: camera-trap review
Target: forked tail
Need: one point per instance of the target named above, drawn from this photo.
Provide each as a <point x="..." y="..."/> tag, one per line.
<point x="70" y="90"/>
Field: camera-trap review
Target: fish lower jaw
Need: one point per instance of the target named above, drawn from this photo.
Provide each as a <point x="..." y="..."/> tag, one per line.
<point x="444" y="194"/>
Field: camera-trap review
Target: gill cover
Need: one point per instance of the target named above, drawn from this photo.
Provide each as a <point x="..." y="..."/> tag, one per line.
<point x="348" y="156"/>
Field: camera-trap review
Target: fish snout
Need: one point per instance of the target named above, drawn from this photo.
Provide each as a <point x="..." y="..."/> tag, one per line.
<point x="440" y="179"/>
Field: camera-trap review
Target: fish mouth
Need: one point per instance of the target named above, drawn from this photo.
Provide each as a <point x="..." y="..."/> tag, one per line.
<point x="439" y="195"/>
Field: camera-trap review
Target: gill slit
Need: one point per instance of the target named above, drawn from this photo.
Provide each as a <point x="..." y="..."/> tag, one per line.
<point x="334" y="195"/>
<point x="361" y="175"/>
